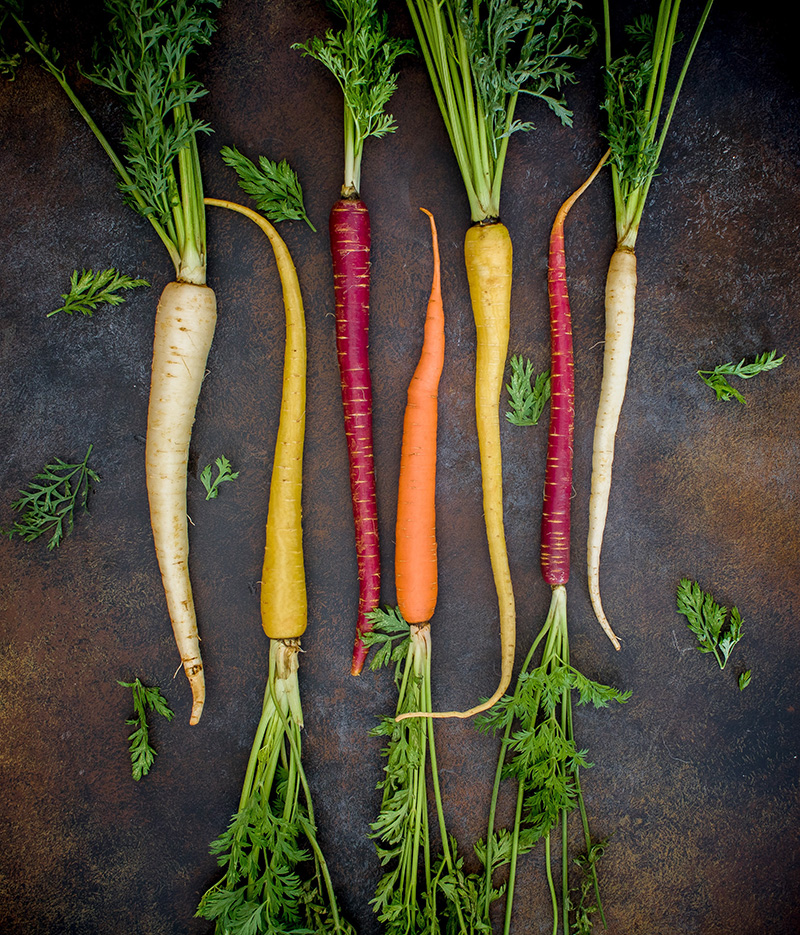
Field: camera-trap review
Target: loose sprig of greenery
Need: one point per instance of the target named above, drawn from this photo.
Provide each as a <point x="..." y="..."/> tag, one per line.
<point x="274" y="186"/>
<point x="276" y="881"/>
<point x="744" y="679"/>
<point x="709" y="622"/>
<point x="526" y="396"/>
<point x="48" y="504"/>
<point x="145" y="698"/>
<point x="539" y="752"/>
<point x="361" y="57"/>
<point x="224" y="473"/>
<point x="635" y="97"/>
<point x="416" y="893"/>
<point x="481" y="55"/>
<point x="717" y="378"/>
<point x="89" y="290"/>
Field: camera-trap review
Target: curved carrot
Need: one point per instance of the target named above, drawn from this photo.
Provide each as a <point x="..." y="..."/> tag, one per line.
<point x="488" y="256"/>
<point x="554" y="549"/>
<point x="416" y="577"/>
<point x="620" y="302"/>
<point x="185" y="322"/>
<point x="350" y="246"/>
<point x="284" y="611"/>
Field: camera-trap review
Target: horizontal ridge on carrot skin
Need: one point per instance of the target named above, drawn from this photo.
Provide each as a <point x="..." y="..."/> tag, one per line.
<point x="361" y="57"/>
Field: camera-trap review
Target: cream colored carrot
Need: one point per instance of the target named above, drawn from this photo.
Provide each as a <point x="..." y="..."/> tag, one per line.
<point x="185" y="322"/>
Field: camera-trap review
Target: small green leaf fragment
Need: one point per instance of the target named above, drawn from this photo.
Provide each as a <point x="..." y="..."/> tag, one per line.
<point x="717" y="378"/>
<point x="526" y="396"/>
<point x="744" y="679"/>
<point x="48" y="504"/>
<point x="224" y="474"/>
<point x="89" y="290"/>
<point x="709" y="622"/>
<point x="274" y="186"/>
<point x="145" y="699"/>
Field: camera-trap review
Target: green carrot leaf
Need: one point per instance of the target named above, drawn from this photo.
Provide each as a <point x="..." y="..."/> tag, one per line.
<point x="526" y="397"/>
<point x="224" y="473"/>
<point x="361" y="57"/>
<point x="274" y="186"/>
<point x="145" y="699"/>
<point x="708" y="620"/>
<point x="391" y="634"/>
<point x="744" y="679"/>
<point x="717" y="378"/>
<point x="48" y="504"/>
<point x="89" y="290"/>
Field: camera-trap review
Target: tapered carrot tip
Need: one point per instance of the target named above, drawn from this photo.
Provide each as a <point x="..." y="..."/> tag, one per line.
<point x="198" y="685"/>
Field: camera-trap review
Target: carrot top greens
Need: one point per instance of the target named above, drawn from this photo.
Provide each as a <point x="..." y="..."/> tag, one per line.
<point x="481" y="56"/>
<point x="159" y="176"/>
<point x="361" y="57"/>
<point x="635" y="91"/>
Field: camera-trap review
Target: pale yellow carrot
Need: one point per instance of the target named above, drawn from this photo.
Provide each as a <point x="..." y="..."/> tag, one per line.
<point x="185" y="322"/>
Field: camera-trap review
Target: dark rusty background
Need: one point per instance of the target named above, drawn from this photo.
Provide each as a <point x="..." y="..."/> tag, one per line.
<point x="695" y="781"/>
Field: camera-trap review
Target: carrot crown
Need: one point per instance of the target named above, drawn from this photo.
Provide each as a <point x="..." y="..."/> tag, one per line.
<point x="361" y="57"/>
<point x="481" y="56"/>
<point x="635" y="90"/>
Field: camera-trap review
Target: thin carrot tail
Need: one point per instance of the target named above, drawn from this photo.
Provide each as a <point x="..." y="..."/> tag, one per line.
<point x="350" y="246"/>
<point x="620" y="309"/>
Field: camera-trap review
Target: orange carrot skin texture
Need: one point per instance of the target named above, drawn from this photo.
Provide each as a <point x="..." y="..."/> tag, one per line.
<point x="185" y="322"/>
<point x="350" y="246"/>
<point x="554" y="550"/>
<point x="416" y="576"/>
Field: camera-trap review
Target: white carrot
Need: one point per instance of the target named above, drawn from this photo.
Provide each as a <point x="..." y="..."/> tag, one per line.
<point x="635" y="86"/>
<point x="159" y="174"/>
<point x="184" y="329"/>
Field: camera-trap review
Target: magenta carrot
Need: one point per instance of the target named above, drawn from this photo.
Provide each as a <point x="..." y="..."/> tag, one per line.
<point x="554" y="549"/>
<point x="539" y="749"/>
<point x="361" y="57"/>
<point x="350" y="246"/>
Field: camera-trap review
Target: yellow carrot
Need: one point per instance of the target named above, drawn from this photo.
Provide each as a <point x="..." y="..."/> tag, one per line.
<point x="488" y="256"/>
<point x="284" y="611"/>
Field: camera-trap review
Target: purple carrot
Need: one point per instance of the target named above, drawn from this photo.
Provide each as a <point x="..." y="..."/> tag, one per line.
<point x="554" y="550"/>
<point x="350" y="243"/>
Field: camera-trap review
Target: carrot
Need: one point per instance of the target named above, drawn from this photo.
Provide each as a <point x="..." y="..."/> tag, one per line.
<point x="260" y="849"/>
<point x="635" y="86"/>
<point x="185" y="321"/>
<point x="148" y="47"/>
<point x="539" y="748"/>
<point x="361" y="57"/>
<point x="476" y="84"/>
<point x="415" y="564"/>
<point x="401" y="830"/>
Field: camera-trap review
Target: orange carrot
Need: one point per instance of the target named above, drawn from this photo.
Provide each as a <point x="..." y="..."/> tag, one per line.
<point x="416" y="577"/>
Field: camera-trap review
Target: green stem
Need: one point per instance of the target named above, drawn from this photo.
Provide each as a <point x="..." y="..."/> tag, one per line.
<point x="512" y="870"/>
<point x="119" y="167"/>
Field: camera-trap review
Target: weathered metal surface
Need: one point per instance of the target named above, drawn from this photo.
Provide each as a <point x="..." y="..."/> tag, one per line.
<point x="695" y="781"/>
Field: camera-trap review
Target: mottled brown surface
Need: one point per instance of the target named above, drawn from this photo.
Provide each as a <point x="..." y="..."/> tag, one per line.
<point x="696" y="781"/>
